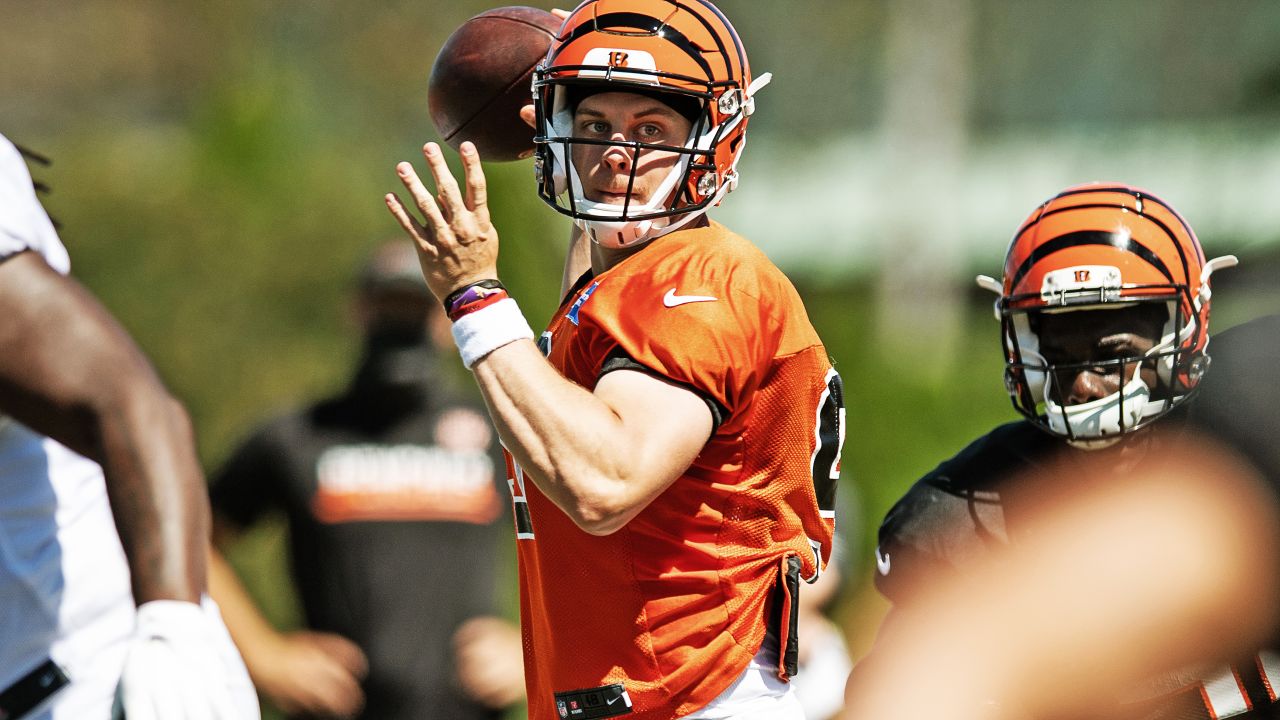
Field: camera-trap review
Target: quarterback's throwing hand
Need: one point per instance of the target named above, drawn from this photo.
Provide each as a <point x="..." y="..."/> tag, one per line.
<point x="182" y="666"/>
<point x="457" y="244"/>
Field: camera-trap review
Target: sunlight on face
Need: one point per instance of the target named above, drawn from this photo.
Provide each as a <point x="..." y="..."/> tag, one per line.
<point x="606" y="171"/>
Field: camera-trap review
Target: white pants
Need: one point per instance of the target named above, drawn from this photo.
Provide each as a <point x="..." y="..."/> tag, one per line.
<point x="64" y="580"/>
<point x="757" y="694"/>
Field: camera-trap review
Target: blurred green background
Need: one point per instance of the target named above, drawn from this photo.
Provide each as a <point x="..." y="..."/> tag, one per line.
<point x="219" y="166"/>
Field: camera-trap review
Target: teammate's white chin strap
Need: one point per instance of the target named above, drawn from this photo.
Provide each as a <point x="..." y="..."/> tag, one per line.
<point x="1100" y="423"/>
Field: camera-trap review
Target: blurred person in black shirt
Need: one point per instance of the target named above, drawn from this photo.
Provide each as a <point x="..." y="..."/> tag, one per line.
<point x="391" y="495"/>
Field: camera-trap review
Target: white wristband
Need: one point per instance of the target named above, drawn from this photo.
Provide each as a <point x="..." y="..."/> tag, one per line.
<point x="483" y="331"/>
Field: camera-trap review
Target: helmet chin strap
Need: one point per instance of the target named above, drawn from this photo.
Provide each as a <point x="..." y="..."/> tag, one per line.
<point x="641" y="231"/>
<point x="1099" y="423"/>
<point x="629" y="233"/>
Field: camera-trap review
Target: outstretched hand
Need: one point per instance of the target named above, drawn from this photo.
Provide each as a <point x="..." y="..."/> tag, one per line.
<point x="457" y="243"/>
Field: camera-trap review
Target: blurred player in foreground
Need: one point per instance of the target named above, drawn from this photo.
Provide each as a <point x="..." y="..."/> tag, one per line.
<point x="675" y="438"/>
<point x="1125" y="592"/>
<point x="1101" y="557"/>
<point x="392" y="492"/>
<point x="102" y="506"/>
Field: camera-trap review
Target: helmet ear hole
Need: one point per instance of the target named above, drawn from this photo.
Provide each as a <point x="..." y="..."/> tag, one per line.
<point x="708" y="183"/>
<point x="1198" y="366"/>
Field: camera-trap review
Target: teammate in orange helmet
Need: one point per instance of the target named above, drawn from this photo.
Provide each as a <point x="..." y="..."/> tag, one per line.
<point x="1104" y="309"/>
<point x="1095" y="257"/>
<point x="674" y="436"/>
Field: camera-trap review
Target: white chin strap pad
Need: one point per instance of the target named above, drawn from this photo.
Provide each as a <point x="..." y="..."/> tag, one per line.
<point x="617" y="234"/>
<point x="1104" y="418"/>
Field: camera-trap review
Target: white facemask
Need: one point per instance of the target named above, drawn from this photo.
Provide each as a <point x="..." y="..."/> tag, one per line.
<point x="627" y="233"/>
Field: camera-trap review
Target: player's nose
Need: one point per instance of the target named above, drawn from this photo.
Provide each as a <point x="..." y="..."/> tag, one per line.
<point x="1089" y="385"/>
<point x="617" y="159"/>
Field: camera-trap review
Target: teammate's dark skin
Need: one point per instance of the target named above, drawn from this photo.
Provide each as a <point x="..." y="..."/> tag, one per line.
<point x="68" y="370"/>
<point x="1098" y="336"/>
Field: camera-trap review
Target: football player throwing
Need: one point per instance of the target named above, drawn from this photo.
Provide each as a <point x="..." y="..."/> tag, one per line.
<point x="674" y="434"/>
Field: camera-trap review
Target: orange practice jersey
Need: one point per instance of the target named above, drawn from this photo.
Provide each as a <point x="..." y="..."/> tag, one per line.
<point x="665" y="613"/>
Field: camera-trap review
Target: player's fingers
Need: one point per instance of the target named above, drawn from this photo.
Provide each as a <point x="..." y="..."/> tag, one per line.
<point x="221" y="702"/>
<point x="437" y="225"/>
<point x="422" y="198"/>
<point x="142" y="710"/>
<point x="138" y="706"/>
<point x="347" y="701"/>
<point x="336" y="692"/>
<point x="407" y="222"/>
<point x="166" y="700"/>
<point x="223" y="707"/>
<point x="420" y="236"/>
<point x="343" y="651"/>
<point x="446" y="186"/>
<point x="562" y="14"/>
<point x="477" y="186"/>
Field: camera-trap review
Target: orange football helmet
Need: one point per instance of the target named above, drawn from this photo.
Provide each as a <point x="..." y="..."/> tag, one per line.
<point x="685" y="51"/>
<point x="1099" y="246"/>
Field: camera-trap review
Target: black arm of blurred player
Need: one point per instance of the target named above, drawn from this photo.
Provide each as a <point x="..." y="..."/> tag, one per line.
<point x="69" y="371"/>
<point x="1119" y="583"/>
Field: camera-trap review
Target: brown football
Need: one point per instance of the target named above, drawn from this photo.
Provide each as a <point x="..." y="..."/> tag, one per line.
<point x="483" y="76"/>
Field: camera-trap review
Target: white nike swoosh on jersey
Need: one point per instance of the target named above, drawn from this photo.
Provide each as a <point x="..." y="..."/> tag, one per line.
<point x="882" y="562"/>
<point x="671" y="299"/>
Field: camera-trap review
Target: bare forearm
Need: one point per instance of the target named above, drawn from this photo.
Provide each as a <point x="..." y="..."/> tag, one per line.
<point x="566" y="439"/>
<point x="158" y="497"/>
<point x="601" y="456"/>
<point x="69" y="371"/>
<point x="583" y="449"/>
<point x="248" y="627"/>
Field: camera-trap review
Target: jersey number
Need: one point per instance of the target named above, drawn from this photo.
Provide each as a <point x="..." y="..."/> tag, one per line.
<point x="519" y="505"/>
<point x="515" y="474"/>
<point x="829" y="437"/>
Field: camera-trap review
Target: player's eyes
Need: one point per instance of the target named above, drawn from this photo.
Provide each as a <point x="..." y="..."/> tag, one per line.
<point x="1118" y="352"/>
<point x="1109" y="354"/>
<point x="594" y="127"/>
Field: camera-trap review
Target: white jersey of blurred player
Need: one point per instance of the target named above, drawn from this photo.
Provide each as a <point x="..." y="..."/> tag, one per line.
<point x="64" y="582"/>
